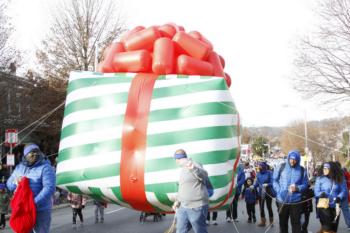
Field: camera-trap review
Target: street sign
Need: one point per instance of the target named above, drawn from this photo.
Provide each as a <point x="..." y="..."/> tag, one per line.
<point x="10" y="160"/>
<point x="11" y="137"/>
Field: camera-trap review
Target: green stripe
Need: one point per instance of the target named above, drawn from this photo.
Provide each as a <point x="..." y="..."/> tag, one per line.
<point x="117" y="98"/>
<point x="91" y="125"/>
<point x="88" y="174"/>
<point x="74" y="189"/>
<point x="177" y="137"/>
<point x="211" y="157"/>
<point x="89" y="149"/>
<point x="163" y="198"/>
<point x="96" y="102"/>
<point x="96" y="194"/>
<point x="192" y="110"/>
<point x="89" y="82"/>
<point x="154" y="116"/>
<point x="171" y="187"/>
<point x="116" y="191"/>
<point x="152" y="140"/>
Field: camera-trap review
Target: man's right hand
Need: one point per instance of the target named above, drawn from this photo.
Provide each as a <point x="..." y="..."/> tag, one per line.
<point x="176" y="205"/>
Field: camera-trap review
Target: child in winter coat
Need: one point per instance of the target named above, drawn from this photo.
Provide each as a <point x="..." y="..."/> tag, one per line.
<point x="77" y="202"/>
<point x="4" y="204"/>
<point x="250" y="195"/>
<point x="99" y="207"/>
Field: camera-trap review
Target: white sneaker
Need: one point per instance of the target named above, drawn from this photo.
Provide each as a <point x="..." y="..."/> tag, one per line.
<point x="235" y="220"/>
<point x="228" y="219"/>
<point x="207" y="222"/>
<point x="215" y="222"/>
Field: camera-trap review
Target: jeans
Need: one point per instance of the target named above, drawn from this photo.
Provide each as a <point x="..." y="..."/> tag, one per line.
<point x="101" y="209"/>
<point x="43" y="221"/>
<point x="345" y="209"/>
<point x="195" y="218"/>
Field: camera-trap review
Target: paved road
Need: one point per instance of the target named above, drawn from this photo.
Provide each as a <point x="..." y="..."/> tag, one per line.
<point x="122" y="220"/>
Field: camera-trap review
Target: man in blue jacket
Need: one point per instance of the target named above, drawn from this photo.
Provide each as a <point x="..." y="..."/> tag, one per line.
<point x="42" y="182"/>
<point x="289" y="181"/>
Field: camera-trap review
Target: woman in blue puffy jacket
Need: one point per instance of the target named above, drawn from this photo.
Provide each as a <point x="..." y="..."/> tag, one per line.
<point x="329" y="185"/>
<point x="42" y="182"/>
<point x="265" y="192"/>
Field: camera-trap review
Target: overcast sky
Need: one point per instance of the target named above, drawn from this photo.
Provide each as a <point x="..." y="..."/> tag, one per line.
<point x="256" y="38"/>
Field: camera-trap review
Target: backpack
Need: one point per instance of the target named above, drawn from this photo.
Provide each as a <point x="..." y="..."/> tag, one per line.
<point x="210" y="187"/>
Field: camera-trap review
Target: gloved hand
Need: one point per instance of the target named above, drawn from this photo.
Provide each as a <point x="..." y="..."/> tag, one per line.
<point x="323" y="195"/>
<point x="251" y="187"/>
<point x="83" y="206"/>
<point x="265" y="185"/>
<point x="337" y="200"/>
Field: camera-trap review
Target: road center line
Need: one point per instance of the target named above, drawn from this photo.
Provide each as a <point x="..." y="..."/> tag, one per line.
<point x="109" y="212"/>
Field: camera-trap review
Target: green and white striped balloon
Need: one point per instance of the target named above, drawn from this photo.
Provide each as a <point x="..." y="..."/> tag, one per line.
<point x="191" y="112"/>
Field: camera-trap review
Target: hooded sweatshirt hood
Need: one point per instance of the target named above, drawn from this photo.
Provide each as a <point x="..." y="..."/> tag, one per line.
<point x="294" y="154"/>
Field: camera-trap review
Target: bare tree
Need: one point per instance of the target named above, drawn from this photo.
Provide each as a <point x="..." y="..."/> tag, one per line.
<point x="8" y="53"/>
<point x="78" y="27"/>
<point x="323" y="61"/>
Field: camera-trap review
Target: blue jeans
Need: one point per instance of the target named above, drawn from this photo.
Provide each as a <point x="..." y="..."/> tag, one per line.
<point x="345" y="209"/>
<point x="43" y="221"/>
<point x="195" y="218"/>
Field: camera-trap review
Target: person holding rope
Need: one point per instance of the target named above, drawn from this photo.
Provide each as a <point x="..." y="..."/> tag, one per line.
<point x="289" y="181"/>
<point x="231" y="212"/>
<point x="192" y="199"/>
<point x="265" y="192"/>
<point x="329" y="191"/>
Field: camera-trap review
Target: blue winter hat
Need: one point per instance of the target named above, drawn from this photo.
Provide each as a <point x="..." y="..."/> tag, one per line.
<point x="2" y="186"/>
<point x="180" y="154"/>
<point x="30" y="148"/>
<point x="327" y="165"/>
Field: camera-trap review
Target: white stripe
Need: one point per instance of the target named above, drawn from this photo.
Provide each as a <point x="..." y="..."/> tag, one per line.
<point x="75" y="75"/>
<point x="156" y="104"/>
<point x="153" y="128"/>
<point x="151" y="198"/>
<point x="102" y="90"/>
<point x="91" y="114"/>
<point x="102" y="159"/>
<point x="172" y="175"/>
<point x="107" y="182"/>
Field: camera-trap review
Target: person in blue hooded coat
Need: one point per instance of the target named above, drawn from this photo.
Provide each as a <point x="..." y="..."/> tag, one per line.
<point x="330" y="185"/>
<point x="42" y="182"/>
<point x="265" y="192"/>
<point x="231" y="213"/>
<point x="289" y="181"/>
